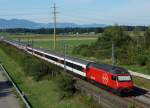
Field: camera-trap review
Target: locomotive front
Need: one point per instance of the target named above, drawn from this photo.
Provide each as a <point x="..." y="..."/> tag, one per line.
<point x="123" y="79"/>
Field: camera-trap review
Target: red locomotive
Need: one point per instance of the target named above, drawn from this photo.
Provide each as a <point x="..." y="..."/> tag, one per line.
<point x="116" y="78"/>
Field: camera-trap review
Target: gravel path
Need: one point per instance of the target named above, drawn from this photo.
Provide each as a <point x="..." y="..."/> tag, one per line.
<point x="7" y="97"/>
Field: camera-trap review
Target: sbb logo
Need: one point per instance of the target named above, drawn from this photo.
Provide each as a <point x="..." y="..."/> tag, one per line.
<point x="105" y="79"/>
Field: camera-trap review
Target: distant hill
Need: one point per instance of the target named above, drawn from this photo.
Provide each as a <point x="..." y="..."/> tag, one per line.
<point x="21" y="23"/>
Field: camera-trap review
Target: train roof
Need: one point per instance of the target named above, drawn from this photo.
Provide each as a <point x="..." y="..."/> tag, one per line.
<point x="110" y="68"/>
<point x="85" y="62"/>
<point x="74" y="59"/>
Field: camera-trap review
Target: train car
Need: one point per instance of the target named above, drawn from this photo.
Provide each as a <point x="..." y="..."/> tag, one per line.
<point x="72" y="64"/>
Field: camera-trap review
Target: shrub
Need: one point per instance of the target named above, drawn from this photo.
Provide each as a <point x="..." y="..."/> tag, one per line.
<point x="141" y="60"/>
<point x="78" y="50"/>
<point x="85" y="52"/>
<point x="31" y="65"/>
<point x="148" y="67"/>
<point x="66" y="84"/>
<point x="90" y="102"/>
<point x="132" y="106"/>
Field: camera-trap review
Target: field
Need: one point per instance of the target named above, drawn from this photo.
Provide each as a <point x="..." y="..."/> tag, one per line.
<point x="47" y="42"/>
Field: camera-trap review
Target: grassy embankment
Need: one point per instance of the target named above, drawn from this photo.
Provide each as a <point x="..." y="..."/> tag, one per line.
<point x="44" y="93"/>
<point x="137" y="80"/>
<point x="142" y="82"/>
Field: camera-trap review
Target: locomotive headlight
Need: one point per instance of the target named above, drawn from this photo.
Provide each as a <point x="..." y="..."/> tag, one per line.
<point x="124" y="78"/>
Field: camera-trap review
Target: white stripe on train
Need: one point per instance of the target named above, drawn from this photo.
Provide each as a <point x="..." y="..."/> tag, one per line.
<point x="61" y="65"/>
<point x="58" y="57"/>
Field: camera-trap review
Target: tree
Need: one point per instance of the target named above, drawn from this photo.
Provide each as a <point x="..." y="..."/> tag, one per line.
<point x="137" y="31"/>
<point x="147" y="38"/>
<point x="117" y="35"/>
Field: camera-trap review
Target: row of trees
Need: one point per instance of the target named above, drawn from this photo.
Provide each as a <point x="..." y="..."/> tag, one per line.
<point x="68" y="30"/>
<point x="50" y="31"/>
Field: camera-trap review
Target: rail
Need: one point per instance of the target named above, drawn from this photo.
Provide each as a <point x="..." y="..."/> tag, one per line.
<point x="24" y="99"/>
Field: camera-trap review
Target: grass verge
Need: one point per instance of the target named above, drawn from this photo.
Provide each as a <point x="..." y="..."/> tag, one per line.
<point x="142" y="82"/>
<point x="136" y="68"/>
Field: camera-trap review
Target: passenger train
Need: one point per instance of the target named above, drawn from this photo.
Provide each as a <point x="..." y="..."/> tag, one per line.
<point x="113" y="77"/>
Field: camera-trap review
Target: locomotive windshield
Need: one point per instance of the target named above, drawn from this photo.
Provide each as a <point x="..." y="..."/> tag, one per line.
<point x="124" y="78"/>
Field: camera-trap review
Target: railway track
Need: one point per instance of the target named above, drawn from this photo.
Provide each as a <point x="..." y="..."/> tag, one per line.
<point x="139" y="97"/>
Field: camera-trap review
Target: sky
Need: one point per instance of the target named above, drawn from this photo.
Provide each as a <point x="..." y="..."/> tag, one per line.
<point x="124" y="12"/>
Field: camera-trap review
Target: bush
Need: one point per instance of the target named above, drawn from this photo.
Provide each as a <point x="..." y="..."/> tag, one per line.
<point x="85" y="52"/>
<point x="141" y="60"/>
<point x="81" y="49"/>
<point x="31" y="65"/>
<point x="66" y="84"/>
<point x="90" y="102"/>
<point x="148" y="67"/>
<point x="132" y="106"/>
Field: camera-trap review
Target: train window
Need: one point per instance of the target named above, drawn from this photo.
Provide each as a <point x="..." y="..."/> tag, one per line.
<point x="77" y="67"/>
<point x="51" y="58"/>
<point x="29" y="50"/>
<point x="69" y="64"/>
<point x="38" y="53"/>
<point x="47" y="56"/>
<point x="124" y="78"/>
